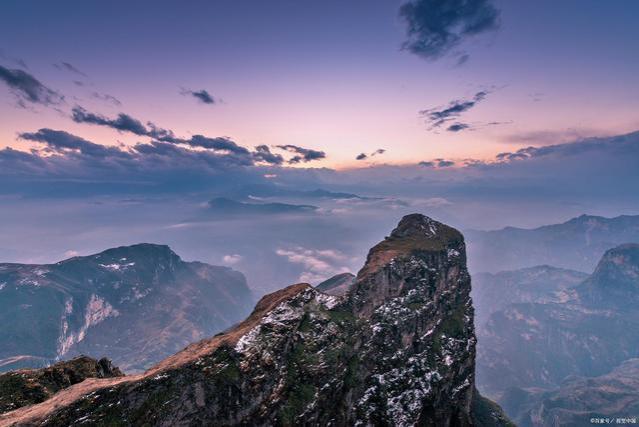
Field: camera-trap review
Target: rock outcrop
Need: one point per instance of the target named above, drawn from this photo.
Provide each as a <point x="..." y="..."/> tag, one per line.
<point x="398" y="349"/>
<point x="339" y="284"/>
<point x="29" y="386"/>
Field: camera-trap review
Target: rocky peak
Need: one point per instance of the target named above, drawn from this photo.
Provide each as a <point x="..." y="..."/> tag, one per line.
<point x="399" y="349"/>
<point x="616" y="278"/>
<point x="419" y="245"/>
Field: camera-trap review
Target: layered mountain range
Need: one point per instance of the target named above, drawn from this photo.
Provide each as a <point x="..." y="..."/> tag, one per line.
<point x="551" y="352"/>
<point x="136" y="304"/>
<point x="398" y="348"/>
<point x="577" y="244"/>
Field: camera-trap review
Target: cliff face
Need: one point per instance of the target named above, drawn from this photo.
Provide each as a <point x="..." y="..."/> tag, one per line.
<point x="398" y="349"/>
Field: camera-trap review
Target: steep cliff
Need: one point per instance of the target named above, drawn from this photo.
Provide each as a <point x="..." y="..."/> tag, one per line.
<point x="398" y="349"/>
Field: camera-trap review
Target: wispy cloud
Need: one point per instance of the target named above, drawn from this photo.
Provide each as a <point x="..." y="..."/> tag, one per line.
<point x="201" y="95"/>
<point x="438" y="116"/>
<point x="27" y="88"/>
<point x="70" y="68"/>
<point x="364" y="156"/>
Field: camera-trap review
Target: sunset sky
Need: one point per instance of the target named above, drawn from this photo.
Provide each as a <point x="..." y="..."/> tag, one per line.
<point x="329" y="76"/>
<point x="126" y="122"/>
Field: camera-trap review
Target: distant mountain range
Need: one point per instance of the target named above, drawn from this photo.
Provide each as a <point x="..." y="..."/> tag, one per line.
<point x="137" y="304"/>
<point x="496" y="291"/>
<point x="223" y="206"/>
<point x="610" y="396"/>
<point x="535" y="344"/>
<point x="577" y="244"/>
<point x="270" y="191"/>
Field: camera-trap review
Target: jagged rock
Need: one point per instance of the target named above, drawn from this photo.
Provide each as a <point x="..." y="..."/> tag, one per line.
<point x="338" y="285"/>
<point x="137" y="304"/>
<point x="398" y="350"/>
<point x="29" y="386"/>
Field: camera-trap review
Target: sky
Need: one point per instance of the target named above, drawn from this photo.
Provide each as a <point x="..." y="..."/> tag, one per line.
<point x="120" y="121"/>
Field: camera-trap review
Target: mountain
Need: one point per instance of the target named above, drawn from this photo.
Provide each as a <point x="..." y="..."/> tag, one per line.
<point x="398" y="349"/>
<point x="339" y="284"/>
<point x="224" y="206"/>
<point x="29" y="386"/>
<point x="137" y="304"/>
<point x="579" y="399"/>
<point x="588" y="332"/>
<point x="270" y="191"/>
<point x="496" y="291"/>
<point x="577" y="244"/>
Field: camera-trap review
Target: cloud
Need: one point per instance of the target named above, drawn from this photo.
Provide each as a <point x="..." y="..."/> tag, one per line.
<point x="27" y="88"/>
<point x="364" y="156"/>
<point x="222" y="145"/>
<point x="201" y="95"/>
<point x="435" y="27"/>
<point x="436" y="117"/>
<point x="437" y="163"/>
<point x="303" y="155"/>
<point x="106" y="97"/>
<point x="263" y="154"/>
<point x="457" y="127"/>
<point x="123" y="123"/>
<point x="318" y="264"/>
<point x="441" y="163"/>
<point x="232" y="259"/>
<point x="61" y="142"/>
<point x="69" y="67"/>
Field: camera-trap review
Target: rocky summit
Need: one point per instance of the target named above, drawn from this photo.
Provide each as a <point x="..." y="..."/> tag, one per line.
<point x="397" y="349"/>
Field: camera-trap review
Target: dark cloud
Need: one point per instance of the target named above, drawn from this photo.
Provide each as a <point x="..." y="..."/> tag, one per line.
<point x="221" y="145"/>
<point x="435" y="27"/>
<point x="364" y="156"/>
<point x="303" y="155"/>
<point x="457" y="127"/>
<point x="123" y="123"/>
<point x="437" y="163"/>
<point x="69" y="67"/>
<point x="28" y="88"/>
<point x="201" y="95"/>
<point x="436" y="117"/>
<point x="61" y="142"/>
<point x="263" y="154"/>
<point x="445" y="163"/>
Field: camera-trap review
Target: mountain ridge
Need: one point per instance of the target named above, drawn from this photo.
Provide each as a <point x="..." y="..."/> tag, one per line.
<point x="397" y="349"/>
